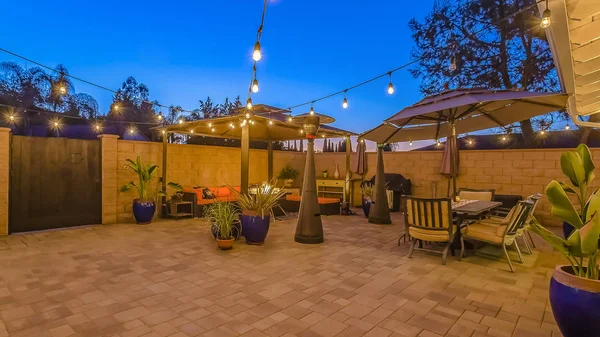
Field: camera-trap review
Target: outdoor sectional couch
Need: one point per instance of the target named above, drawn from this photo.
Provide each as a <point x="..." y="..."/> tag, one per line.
<point x="196" y="196"/>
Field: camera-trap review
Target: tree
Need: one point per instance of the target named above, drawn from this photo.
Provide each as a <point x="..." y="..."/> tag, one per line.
<point x="59" y="89"/>
<point x="21" y="87"/>
<point x="130" y="103"/>
<point x="82" y="105"/>
<point x="486" y="48"/>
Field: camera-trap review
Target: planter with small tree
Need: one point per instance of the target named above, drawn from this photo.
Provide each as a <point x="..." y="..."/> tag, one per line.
<point x="575" y="288"/>
<point x="367" y="194"/>
<point x="144" y="207"/>
<point x="288" y="174"/>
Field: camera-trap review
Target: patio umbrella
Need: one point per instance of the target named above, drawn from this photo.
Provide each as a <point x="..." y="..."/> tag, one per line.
<point x="449" y="166"/>
<point x="461" y="111"/>
<point x="359" y="161"/>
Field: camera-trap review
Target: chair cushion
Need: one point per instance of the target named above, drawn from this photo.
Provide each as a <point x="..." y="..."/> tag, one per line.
<point x="429" y="234"/>
<point x="484" y="232"/>
<point x="474" y="195"/>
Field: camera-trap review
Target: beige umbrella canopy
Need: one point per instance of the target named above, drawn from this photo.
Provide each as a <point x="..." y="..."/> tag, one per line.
<point x="267" y="123"/>
<point x="468" y="109"/>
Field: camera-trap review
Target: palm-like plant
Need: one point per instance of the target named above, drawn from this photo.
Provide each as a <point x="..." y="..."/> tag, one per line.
<point x="262" y="202"/>
<point x="582" y="243"/>
<point x="368" y="189"/>
<point x="145" y="174"/>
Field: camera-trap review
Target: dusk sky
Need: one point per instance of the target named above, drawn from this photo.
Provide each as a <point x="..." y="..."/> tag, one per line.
<point x="187" y="50"/>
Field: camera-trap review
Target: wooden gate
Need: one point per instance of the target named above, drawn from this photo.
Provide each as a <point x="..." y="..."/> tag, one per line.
<point x="54" y="183"/>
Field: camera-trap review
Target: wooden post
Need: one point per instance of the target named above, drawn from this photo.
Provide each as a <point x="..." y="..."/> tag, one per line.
<point x="164" y="163"/>
<point x="245" y="157"/>
<point x="348" y="173"/>
<point x="270" y="158"/>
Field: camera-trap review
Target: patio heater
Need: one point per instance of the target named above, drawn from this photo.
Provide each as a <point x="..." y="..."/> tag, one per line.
<point x="310" y="228"/>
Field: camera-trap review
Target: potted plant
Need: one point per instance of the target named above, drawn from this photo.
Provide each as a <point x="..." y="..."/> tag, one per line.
<point x="288" y="174"/>
<point x="223" y="216"/>
<point x="575" y="288"/>
<point x="257" y="211"/>
<point x="144" y="207"/>
<point x="325" y="174"/>
<point x="176" y="197"/>
<point x="367" y="194"/>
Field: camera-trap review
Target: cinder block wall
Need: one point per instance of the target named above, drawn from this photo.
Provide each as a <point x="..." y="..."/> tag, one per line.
<point x="521" y="172"/>
<point x="4" y="181"/>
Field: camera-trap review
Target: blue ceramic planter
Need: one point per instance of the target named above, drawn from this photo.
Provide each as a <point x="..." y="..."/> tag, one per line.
<point x="255" y="228"/>
<point x="366" y="206"/>
<point x="575" y="303"/>
<point x="567" y="229"/>
<point x="143" y="211"/>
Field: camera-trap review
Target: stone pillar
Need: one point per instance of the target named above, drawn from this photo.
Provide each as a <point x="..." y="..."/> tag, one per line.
<point x="4" y="178"/>
<point x="110" y="188"/>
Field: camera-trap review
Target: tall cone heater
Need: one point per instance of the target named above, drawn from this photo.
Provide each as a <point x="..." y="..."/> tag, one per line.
<point x="310" y="227"/>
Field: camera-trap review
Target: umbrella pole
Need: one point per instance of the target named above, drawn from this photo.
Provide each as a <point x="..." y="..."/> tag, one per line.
<point x="310" y="227"/>
<point x="380" y="210"/>
<point x="453" y="158"/>
<point x="245" y="157"/>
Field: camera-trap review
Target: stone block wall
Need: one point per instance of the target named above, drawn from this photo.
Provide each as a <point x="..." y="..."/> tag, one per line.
<point x="521" y="172"/>
<point x="4" y="178"/>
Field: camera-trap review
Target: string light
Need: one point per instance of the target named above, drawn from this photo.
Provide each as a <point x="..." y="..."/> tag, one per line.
<point x="345" y="101"/>
<point x="290" y="119"/>
<point x="256" y="55"/>
<point x="542" y="132"/>
<point x="62" y="89"/>
<point x="249" y="103"/>
<point x="116" y="107"/>
<point x="213" y="129"/>
<point x="252" y="122"/>
<point x="180" y="121"/>
<point x="390" y="89"/>
<point x="438" y="143"/>
<point x="322" y="136"/>
<point x="546" y="21"/>
<point x="98" y="127"/>
<point x="410" y="143"/>
<point x="160" y="117"/>
<point x="452" y="66"/>
<point x="567" y="127"/>
<point x="301" y="131"/>
<point x="192" y="131"/>
<point x="209" y="125"/>
<point x="255" y="86"/>
<point x="312" y="111"/>
<point x="163" y="132"/>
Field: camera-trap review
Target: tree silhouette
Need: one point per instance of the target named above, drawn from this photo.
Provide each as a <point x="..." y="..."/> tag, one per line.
<point x="510" y="54"/>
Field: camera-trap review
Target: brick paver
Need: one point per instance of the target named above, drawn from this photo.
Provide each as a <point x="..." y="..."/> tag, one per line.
<point x="169" y="279"/>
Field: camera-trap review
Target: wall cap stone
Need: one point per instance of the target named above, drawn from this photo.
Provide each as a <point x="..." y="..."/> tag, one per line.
<point x="5" y="130"/>
<point x="108" y="136"/>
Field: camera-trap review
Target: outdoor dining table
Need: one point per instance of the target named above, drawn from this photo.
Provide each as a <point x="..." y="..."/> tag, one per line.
<point x="474" y="207"/>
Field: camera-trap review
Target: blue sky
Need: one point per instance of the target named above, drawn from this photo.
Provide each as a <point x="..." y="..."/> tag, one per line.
<point x="187" y="50"/>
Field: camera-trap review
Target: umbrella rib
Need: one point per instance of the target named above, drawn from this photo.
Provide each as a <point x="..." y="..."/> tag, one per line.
<point x="542" y="104"/>
<point x="397" y="130"/>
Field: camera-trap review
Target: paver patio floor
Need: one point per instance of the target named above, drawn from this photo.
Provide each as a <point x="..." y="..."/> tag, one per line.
<point x="169" y="279"/>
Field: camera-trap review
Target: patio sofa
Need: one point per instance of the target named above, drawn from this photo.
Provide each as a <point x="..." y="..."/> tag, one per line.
<point x="197" y="196"/>
<point x="327" y="206"/>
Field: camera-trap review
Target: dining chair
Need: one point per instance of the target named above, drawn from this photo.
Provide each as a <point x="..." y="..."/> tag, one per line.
<point x="502" y="234"/>
<point x="524" y="232"/>
<point x="475" y="194"/>
<point x="429" y="220"/>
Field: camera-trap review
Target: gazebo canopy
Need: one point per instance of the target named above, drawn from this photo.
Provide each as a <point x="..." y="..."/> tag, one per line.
<point x="267" y="123"/>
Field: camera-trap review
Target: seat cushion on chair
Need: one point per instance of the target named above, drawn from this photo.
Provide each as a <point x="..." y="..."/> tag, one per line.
<point x="476" y="195"/>
<point x="484" y="232"/>
<point x="428" y="234"/>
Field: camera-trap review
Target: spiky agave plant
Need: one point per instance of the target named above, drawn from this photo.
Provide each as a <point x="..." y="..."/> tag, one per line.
<point x="267" y="196"/>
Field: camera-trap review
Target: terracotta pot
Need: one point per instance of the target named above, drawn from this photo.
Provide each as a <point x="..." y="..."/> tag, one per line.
<point x="575" y="302"/>
<point x="225" y="244"/>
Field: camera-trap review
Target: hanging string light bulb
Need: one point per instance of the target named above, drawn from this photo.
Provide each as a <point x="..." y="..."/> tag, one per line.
<point x="256" y="55"/>
<point x="312" y="110"/>
<point x="180" y="121"/>
<point x="209" y="125"/>
<point x="62" y="89"/>
<point x="290" y="119"/>
<point x="452" y="66"/>
<point x="270" y="122"/>
<point x="255" y="86"/>
<point x="160" y="116"/>
<point x="567" y="127"/>
<point x="546" y="21"/>
<point x="390" y="89"/>
<point x="410" y="143"/>
<point x="213" y="129"/>
<point x="249" y="103"/>
<point x="163" y="132"/>
<point x="131" y="131"/>
<point x="116" y="107"/>
<point x="345" y="101"/>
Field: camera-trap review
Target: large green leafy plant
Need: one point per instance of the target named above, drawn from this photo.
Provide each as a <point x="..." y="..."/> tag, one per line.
<point x="145" y="173"/>
<point x="581" y="247"/>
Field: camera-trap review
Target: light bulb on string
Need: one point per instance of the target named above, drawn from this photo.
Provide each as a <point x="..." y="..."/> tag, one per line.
<point x="180" y="121"/>
<point x="160" y="116"/>
<point x="209" y="125"/>
<point x="567" y="127"/>
<point x="290" y="119"/>
<point x="345" y="101"/>
<point x="410" y="143"/>
<point x="213" y="129"/>
<point x="255" y="86"/>
<point x="249" y="103"/>
<point x="546" y="20"/>
<point x="62" y="89"/>
<point x="116" y="107"/>
<point x="252" y="122"/>
<point x="256" y="55"/>
<point x="312" y="110"/>
<point x="452" y="66"/>
<point x="390" y="88"/>
<point x="163" y="132"/>
<point x="192" y="131"/>
<point x="270" y="122"/>
<point x="131" y="131"/>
